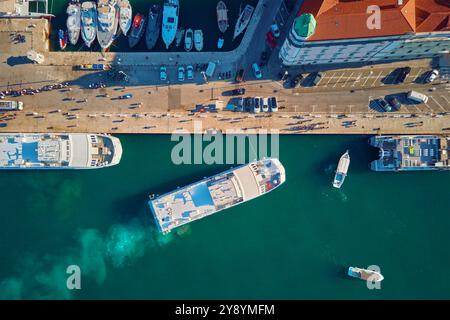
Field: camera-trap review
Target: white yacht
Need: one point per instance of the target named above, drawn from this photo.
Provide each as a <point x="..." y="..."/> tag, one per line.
<point x="125" y="16"/>
<point x="341" y="171"/>
<point x="88" y="22"/>
<point x="108" y="17"/>
<point x="73" y="22"/>
<point x="170" y="21"/>
<point x="58" y="151"/>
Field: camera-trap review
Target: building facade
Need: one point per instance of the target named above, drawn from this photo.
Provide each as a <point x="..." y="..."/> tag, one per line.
<point x="327" y="32"/>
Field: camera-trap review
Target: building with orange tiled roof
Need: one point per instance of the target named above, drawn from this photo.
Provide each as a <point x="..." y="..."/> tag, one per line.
<point x="340" y="31"/>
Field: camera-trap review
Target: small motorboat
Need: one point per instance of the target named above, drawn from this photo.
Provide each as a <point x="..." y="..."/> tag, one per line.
<point x="137" y="30"/>
<point x="188" y="39"/>
<point x="341" y="171"/>
<point x="125" y="16"/>
<point x="222" y="16"/>
<point x="179" y="37"/>
<point x="220" y="43"/>
<point x="63" y="39"/>
<point x="198" y="40"/>
<point x="365" y="274"/>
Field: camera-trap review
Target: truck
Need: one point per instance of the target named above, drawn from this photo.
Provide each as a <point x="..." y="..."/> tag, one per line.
<point x="11" y="105"/>
<point x="93" y="67"/>
<point x="417" y="97"/>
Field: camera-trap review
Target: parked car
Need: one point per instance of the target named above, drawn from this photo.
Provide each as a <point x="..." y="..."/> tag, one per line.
<point x="265" y="104"/>
<point x="163" y="73"/>
<point x="240" y="75"/>
<point x="181" y="73"/>
<point x="240" y="105"/>
<point x="257" y="105"/>
<point x="237" y="92"/>
<point x="394" y="103"/>
<point x="271" y="39"/>
<point x="273" y="104"/>
<point x="383" y="105"/>
<point x="126" y="96"/>
<point x="275" y="30"/>
<point x="190" y="72"/>
<point x="402" y="74"/>
<point x="247" y="103"/>
<point x="257" y="71"/>
<point x="296" y="81"/>
<point x="317" y="76"/>
<point x="432" y="76"/>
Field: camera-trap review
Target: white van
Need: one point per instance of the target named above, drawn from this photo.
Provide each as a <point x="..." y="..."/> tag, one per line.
<point x="417" y="97"/>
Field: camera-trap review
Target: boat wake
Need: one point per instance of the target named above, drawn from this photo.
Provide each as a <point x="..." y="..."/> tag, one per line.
<point x="46" y="278"/>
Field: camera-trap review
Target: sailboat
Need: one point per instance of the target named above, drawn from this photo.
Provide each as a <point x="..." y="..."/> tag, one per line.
<point x="179" y="37"/>
<point x="153" y="26"/>
<point x="188" y="39"/>
<point x="73" y="22"/>
<point x="170" y="21"/>
<point x="341" y="171"/>
<point x="243" y="20"/>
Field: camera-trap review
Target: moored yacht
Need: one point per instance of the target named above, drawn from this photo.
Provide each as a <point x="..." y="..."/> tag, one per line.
<point x="107" y="23"/>
<point x="188" y="39"/>
<point x="58" y="151"/>
<point x="125" y="16"/>
<point x="153" y="26"/>
<point x="137" y="30"/>
<point x="88" y="22"/>
<point x="73" y="22"/>
<point x="170" y="21"/>
<point x="341" y="171"/>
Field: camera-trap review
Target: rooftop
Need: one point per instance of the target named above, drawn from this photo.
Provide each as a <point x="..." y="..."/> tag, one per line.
<point x="347" y="19"/>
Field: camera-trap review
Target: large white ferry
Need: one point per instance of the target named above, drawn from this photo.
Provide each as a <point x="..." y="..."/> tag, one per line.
<point x="58" y="151"/>
<point x="216" y="193"/>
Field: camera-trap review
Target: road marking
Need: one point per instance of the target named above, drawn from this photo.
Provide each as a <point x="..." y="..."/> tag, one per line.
<point x="417" y="75"/>
<point x="448" y="102"/>
<point x="367" y="78"/>
<point x="338" y="80"/>
<point x="348" y="78"/>
<point x="376" y="79"/>
<point x="326" y="84"/>
<point x="431" y="109"/>
<point x="358" y="78"/>
<point x="437" y="103"/>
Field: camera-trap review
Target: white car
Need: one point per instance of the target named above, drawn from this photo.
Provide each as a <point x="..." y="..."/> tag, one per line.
<point x="190" y="72"/>
<point x="181" y="73"/>
<point x="265" y="105"/>
<point x="256" y="71"/>
<point x="275" y="30"/>
<point x="432" y="76"/>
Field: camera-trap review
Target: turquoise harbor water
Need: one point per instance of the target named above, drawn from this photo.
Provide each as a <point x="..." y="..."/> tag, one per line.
<point x="295" y="242"/>
<point x="194" y="14"/>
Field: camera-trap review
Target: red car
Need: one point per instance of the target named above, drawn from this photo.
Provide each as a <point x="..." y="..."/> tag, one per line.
<point x="271" y="39"/>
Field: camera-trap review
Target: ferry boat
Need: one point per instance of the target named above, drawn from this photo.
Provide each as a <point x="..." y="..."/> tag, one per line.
<point x="243" y="20"/>
<point x="88" y="22"/>
<point x="107" y="23"/>
<point x="153" y="26"/>
<point x="214" y="194"/>
<point x="63" y="39"/>
<point x="137" y="30"/>
<point x="341" y="171"/>
<point x="365" y="274"/>
<point x="58" y="151"/>
<point x="222" y="16"/>
<point x="179" y="37"/>
<point x="170" y="21"/>
<point x="411" y="152"/>
<point x="125" y="16"/>
<point x="198" y="40"/>
<point x="73" y="22"/>
<point x="188" y="39"/>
